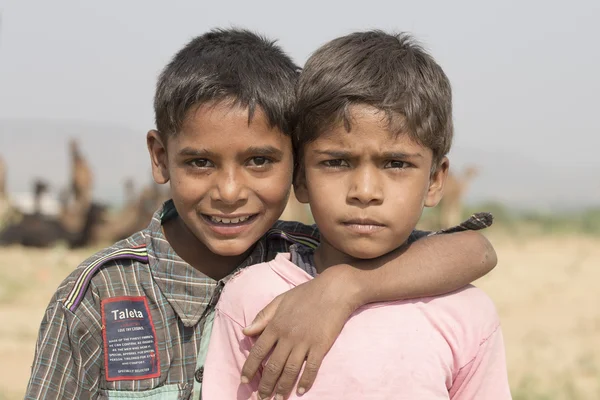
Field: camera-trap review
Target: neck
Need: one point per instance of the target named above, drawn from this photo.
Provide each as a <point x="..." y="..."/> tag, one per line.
<point x="327" y="256"/>
<point x="195" y="253"/>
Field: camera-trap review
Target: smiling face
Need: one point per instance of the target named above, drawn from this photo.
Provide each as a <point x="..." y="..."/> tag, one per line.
<point x="230" y="179"/>
<point x="367" y="187"/>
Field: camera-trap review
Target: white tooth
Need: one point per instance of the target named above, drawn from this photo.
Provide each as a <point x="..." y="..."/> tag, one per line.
<point x="226" y="221"/>
<point x="235" y="220"/>
<point x="242" y="219"/>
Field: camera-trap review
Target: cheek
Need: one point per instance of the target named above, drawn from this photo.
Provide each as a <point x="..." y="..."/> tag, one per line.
<point x="187" y="188"/>
<point x="275" y="189"/>
<point x="325" y="193"/>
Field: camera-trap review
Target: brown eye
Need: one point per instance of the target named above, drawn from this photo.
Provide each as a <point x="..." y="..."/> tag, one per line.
<point x="259" y="161"/>
<point x="397" y="164"/>
<point x="335" y="163"/>
<point x="201" y="163"/>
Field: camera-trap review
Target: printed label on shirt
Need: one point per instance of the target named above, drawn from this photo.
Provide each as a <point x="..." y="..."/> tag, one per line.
<point x="130" y="345"/>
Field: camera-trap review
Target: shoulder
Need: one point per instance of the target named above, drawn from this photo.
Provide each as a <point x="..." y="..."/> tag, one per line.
<point x="249" y="290"/>
<point x="76" y="286"/>
<point x="470" y="305"/>
<point x="466" y="318"/>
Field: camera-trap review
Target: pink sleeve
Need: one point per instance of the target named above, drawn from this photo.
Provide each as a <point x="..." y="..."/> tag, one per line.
<point x="226" y="355"/>
<point x="484" y="377"/>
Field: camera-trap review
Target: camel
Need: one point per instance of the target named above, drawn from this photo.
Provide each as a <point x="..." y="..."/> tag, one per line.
<point x="135" y="214"/>
<point x="76" y="200"/>
<point x="296" y="211"/>
<point x="451" y="205"/>
<point x="81" y="175"/>
<point x="38" y="230"/>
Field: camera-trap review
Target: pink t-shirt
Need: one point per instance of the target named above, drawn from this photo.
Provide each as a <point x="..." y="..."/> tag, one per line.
<point x="443" y="347"/>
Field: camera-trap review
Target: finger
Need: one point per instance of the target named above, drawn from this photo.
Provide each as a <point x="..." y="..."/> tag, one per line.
<point x="261" y="320"/>
<point x="272" y="370"/>
<point x="290" y="373"/>
<point x="258" y="353"/>
<point x="311" y="368"/>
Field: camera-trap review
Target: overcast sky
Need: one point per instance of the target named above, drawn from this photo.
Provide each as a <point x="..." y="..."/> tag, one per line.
<point x="525" y="76"/>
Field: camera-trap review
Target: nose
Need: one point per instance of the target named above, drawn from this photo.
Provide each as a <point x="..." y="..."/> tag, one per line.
<point x="365" y="187"/>
<point x="230" y="188"/>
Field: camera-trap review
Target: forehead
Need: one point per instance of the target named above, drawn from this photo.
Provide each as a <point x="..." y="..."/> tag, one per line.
<point x="225" y="125"/>
<point x="370" y="130"/>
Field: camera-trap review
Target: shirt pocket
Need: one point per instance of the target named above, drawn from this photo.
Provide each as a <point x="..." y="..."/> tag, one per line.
<point x="166" y="392"/>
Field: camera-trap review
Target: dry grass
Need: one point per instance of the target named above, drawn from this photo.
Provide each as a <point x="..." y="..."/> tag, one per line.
<point x="546" y="290"/>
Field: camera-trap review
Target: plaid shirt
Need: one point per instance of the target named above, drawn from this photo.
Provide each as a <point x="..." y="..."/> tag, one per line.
<point x="70" y="356"/>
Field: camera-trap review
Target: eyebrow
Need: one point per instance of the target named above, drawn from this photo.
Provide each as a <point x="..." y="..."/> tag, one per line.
<point x="264" y="151"/>
<point x="256" y="150"/>
<point x="400" y="154"/>
<point x="191" y="152"/>
<point x="387" y="154"/>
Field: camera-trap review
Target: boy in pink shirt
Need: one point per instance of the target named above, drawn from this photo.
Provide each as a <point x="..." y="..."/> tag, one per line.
<point x="374" y="125"/>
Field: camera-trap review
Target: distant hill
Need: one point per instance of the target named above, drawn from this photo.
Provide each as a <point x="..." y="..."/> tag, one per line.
<point x="38" y="148"/>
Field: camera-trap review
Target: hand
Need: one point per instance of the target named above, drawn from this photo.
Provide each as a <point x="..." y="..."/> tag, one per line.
<point x="300" y="325"/>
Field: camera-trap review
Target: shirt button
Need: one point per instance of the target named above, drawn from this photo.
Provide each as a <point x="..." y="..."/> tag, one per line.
<point x="199" y="374"/>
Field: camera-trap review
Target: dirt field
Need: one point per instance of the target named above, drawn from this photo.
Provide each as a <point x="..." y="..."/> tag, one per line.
<point x="547" y="290"/>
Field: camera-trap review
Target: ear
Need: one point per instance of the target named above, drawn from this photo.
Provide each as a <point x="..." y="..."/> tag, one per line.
<point x="436" y="183"/>
<point x="300" y="189"/>
<point x="158" y="157"/>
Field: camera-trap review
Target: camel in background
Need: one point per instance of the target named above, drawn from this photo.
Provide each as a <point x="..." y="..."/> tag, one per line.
<point x="81" y="221"/>
<point x="39" y="230"/>
<point x="451" y="205"/>
<point x="134" y="216"/>
<point x="76" y="201"/>
<point x="81" y="175"/>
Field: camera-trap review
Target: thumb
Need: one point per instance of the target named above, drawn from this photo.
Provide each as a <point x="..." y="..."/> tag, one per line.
<point x="262" y="319"/>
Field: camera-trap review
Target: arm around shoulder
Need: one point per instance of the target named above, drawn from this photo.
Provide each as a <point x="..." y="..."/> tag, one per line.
<point x="430" y="266"/>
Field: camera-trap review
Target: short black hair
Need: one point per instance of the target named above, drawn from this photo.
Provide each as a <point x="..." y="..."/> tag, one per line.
<point x="227" y="65"/>
<point x="390" y="72"/>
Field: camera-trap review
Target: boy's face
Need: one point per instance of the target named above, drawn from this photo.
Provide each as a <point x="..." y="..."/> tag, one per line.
<point x="230" y="180"/>
<point x="367" y="187"/>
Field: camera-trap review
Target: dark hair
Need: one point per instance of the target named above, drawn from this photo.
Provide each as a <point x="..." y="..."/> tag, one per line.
<point x="226" y="65"/>
<point x="389" y="72"/>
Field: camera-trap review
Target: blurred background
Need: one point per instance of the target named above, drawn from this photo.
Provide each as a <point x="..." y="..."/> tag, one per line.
<point x="76" y="87"/>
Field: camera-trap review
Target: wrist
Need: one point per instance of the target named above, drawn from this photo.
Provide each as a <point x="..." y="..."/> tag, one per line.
<point x="346" y="280"/>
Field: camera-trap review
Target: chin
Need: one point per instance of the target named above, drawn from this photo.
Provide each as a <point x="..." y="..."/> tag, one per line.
<point x="365" y="254"/>
<point x="229" y="249"/>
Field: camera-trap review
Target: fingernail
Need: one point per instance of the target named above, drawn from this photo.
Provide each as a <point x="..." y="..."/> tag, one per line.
<point x="245" y="380"/>
<point x="279" y="397"/>
<point x="301" y="391"/>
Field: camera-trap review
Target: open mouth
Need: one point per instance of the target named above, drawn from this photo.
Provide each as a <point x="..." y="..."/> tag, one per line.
<point x="232" y="221"/>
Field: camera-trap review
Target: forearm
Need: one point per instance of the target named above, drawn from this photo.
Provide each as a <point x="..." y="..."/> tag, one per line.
<point x="430" y="266"/>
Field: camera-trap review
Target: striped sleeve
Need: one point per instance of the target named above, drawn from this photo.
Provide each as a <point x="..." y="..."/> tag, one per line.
<point x="66" y="358"/>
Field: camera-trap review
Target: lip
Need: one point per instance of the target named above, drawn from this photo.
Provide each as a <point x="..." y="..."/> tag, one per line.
<point x="363" y="226"/>
<point x="229" y="229"/>
<point x="363" y="221"/>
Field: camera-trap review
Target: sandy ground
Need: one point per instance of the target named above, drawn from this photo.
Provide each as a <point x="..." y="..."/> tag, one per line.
<point x="547" y="291"/>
